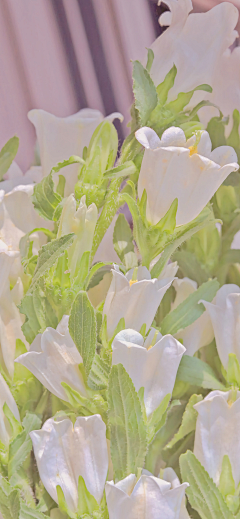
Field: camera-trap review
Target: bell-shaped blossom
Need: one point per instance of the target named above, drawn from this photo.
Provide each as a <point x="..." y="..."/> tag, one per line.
<point x="61" y="137"/>
<point x="224" y="314"/>
<point x="64" y="452"/>
<point x="53" y="358"/>
<point x="10" y="317"/>
<point x="15" y="177"/>
<point x="6" y="398"/>
<point x="82" y="222"/>
<point x="195" y="43"/>
<point x="169" y="475"/>
<point x="152" y="364"/>
<point x="198" y="334"/>
<point x="188" y="170"/>
<point x="217" y="433"/>
<point x="134" y="300"/>
<point x="149" y="497"/>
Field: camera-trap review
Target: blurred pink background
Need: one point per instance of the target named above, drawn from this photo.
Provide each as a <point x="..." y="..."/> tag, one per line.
<point x="64" y="55"/>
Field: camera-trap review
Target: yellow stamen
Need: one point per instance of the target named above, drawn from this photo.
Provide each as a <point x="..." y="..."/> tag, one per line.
<point x="131" y="282"/>
<point x="193" y="150"/>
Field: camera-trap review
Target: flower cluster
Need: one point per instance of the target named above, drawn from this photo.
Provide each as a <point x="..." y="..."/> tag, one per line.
<point x="120" y="330"/>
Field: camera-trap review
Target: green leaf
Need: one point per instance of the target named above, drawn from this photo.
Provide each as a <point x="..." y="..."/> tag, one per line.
<point x="166" y="85"/>
<point x="190" y="309"/>
<point x="150" y="59"/>
<point x="83" y="328"/>
<point x="97" y="273"/>
<point x="197" y="373"/>
<point x="123" y="242"/>
<point x="49" y="254"/>
<point x="21" y="446"/>
<point x="99" y="374"/>
<point x="63" y="504"/>
<point x="15" y="424"/>
<point x="144" y="92"/>
<point x="122" y="171"/>
<point x="184" y="98"/>
<point x="190" y="266"/>
<point x="44" y="198"/>
<point x="39" y="313"/>
<point x="9" y="500"/>
<point x="202" y="493"/>
<point x="188" y="421"/>
<point x="128" y="431"/>
<point x="205" y="218"/>
<point x="226" y="481"/>
<point x="87" y="504"/>
<point x="30" y="513"/>
<point x="234" y="138"/>
<point x="233" y="370"/>
<point x="7" y="155"/>
<point x="216" y="130"/>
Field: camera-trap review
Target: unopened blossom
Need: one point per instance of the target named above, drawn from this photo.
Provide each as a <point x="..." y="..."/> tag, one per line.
<point x="194" y="43"/>
<point x="136" y="300"/>
<point x="198" y="334"/>
<point x="10" y="317"/>
<point x="188" y="170"/>
<point x="152" y="364"/>
<point x="61" y="137"/>
<point x="53" y="358"/>
<point x="147" y="498"/>
<point x="64" y="452"/>
<point x="82" y="222"/>
<point x="224" y="314"/>
<point x="217" y="433"/>
<point x="6" y="398"/>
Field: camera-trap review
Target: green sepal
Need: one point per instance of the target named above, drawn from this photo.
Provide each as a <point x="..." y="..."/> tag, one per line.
<point x="234" y="138"/>
<point x="123" y="242"/>
<point x="166" y="85"/>
<point x="63" y="504"/>
<point x="87" y="504"/>
<point x="188" y="421"/>
<point x="233" y="370"/>
<point x="226" y="481"/>
<point x="150" y="58"/>
<point x="14" y="423"/>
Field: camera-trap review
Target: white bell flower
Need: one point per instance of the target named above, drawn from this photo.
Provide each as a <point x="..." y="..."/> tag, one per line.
<point x="195" y="43"/>
<point x="53" y="358"/>
<point x="217" y="433"/>
<point x="149" y="497"/>
<point x="224" y="314"/>
<point x="188" y="170"/>
<point x="6" y="398"/>
<point x="169" y="475"/>
<point x="134" y="300"/>
<point x="198" y="334"/>
<point x="82" y="222"/>
<point x="64" y="452"/>
<point x="10" y="317"/>
<point x="152" y="364"/>
<point x="61" y="137"/>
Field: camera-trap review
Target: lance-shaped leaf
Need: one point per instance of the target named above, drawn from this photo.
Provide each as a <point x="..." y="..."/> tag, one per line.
<point x="83" y="328"/>
<point x="188" y="421"/>
<point x="39" y="313"/>
<point x="198" y="373"/>
<point x="99" y="374"/>
<point x="144" y="91"/>
<point x="9" y="500"/>
<point x="7" y="154"/>
<point x="49" y="254"/>
<point x="30" y="513"/>
<point x="128" y="431"/>
<point x="190" y="309"/>
<point x="21" y="446"/>
<point x="202" y="493"/>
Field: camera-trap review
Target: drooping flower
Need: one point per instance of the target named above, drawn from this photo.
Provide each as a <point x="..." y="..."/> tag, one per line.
<point x="152" y="364"/>
<point x="82" y="222"/>
<point x="64" y="452"/>
<point x="53" y="358"/>
<point x="149" y="497"/>
<point x="6" y="397"/>
<point x="61" y="137"/>
<point x="134" y="300"/>
<point x="188" y="170"/>
<point x="195" y="43"/>
<point x="198" y="334"/>
<point x="224" y="314"/>
<point x="217" y="433"/>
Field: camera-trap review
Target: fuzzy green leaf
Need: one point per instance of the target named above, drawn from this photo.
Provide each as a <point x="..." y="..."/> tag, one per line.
<point x="99" y="374"/>
<point x="7" y="154"/>
<point x="128" y="431"/>
<point x="83" y="328"/>
<point x="202" y="493"/>
<point x="144" y="92"/>
<point x="44" y="198"/>
<point x="21" y="446"/>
